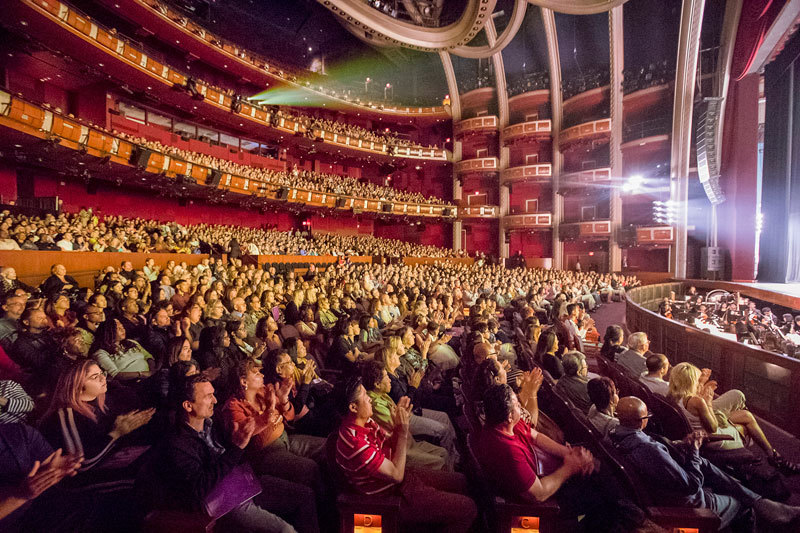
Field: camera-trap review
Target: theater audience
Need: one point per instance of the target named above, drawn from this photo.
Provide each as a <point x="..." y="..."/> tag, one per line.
<point x="677" y="475"/>
<point x="15" y="404"/>
<point x="13" y="306"/>
<point x="547" y="354"/>
<point x="603" y="394"/>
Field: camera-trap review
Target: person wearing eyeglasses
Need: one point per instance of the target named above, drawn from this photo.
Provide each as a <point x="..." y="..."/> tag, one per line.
<point x="680" y="476"/>
<point x="82" y="421"/>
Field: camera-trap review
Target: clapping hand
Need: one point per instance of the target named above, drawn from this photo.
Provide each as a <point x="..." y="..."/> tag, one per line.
<point x="579" y="461"/>
<point x="531" y="382"/>
<point x="130" y="422"/>
<point x="705" y="375"/>
<point x="47" y="473"/>
<point x="401" y="414"/>
<point x="309" y="372"/>
<point x="416" y="378"/>
<point x="695" y="439"/>
<point x="242" y="433"/>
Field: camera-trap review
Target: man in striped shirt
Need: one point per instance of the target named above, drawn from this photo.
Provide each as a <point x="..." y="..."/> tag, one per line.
<point x="374" y="465"/>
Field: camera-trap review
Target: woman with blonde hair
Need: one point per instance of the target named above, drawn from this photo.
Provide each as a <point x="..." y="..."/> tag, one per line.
<point x="693" y="391"/>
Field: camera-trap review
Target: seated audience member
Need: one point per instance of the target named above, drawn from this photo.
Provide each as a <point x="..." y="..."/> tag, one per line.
<point x="692" y="390"/>
<point x="679" y="476"/>
<point x="35" y="351"/>
<point x="214" y="357"/>
<point x="524" y="464"/>
<point x="573" y="384"/>
<point x="612" y="343"/>
<point x="121" y="358"/>
<point x="603" y="394"/>
<point x="28" y="468"/>
<point x="13" y="307"/>
<point x="59" y="281"/>
<point x="88" y="322"/>
<point x="132" y="320"/>
<point x="421" y="454"/>
<point x="344" y="353"/>
<point x="634" y="359"/>
<point x="57" y="309"/>
<point x="373" y="464"/>
<point x="159" y="331"/>
<point x="81" y="421"/>
<point x="653" y="379"/>
<point x="190" y="462"/>
<point x="272" y="451"/>
<point x="299" y="355"/>
<point x="15" y="404"/>
<point x="547" y="354"/>
<point x="9" y="284"/>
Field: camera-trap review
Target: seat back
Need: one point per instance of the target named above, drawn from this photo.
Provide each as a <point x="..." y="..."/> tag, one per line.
<point x="673" y="422"/>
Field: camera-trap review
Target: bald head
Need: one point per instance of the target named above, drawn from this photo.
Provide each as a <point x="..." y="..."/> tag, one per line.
<point x="482" y="351"/>
<point x="631" y="412"/>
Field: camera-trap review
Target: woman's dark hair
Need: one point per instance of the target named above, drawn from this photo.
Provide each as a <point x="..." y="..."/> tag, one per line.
<point x="212" y="339"/>
<point x="232" y="326"/>
<point x="243" y="368"/>
<point x="261" y="327"/>
<point x="363" y="322"/>
<point x="546" y="341"/>
<point x="497" y="402"/>
<point x="614" y="333"/>
<point x="372" y="374"/>
<point x="105" y="338"/>
<point x="174" y="349"/>
<point x="270" y="369"/>
<point x="290" y="345"/>
<point x="600" y="391"/>
<point x="485" y="376"/>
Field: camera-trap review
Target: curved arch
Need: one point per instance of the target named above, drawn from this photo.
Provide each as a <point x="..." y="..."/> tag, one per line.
<point x="514" y="24"/>
<point x="395" y="32"/>
<point x="578" y="7"/>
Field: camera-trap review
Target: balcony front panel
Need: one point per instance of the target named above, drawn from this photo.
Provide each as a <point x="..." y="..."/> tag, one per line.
<point x="541" y="172"/>
<point x="528" y="220"/>
<point x="479" y="211"/>
<point x="586" y="131"/>
<point x="482" y="124"/>
<point x="534" y="128"/>
<point x="655" y="235"/>
<point x="592" y="229"/>
<point x="586" y="177"/>
<point x="481" y="164"/>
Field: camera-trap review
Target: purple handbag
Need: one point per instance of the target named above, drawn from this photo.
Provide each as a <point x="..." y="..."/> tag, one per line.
<point x="238" y="487"/>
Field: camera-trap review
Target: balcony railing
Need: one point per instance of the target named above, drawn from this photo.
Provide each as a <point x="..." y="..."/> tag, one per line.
<point x="534" y="128"/>
<point x="478" y="211"/>
<point x="486" y="123"/>
<point x="480" y="164"/>
<point x="655" y="235"/>
<point x="528" y="220"/>
<point x="587" y="130"/>
<point x="594" y="228"/>
<point x="646" y="128"/>
<point x="587" y="177"/>
<point x="541" y="172"/>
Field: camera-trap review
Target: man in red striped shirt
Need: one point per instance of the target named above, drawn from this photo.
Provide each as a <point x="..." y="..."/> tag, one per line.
<point x="374" y="465"/>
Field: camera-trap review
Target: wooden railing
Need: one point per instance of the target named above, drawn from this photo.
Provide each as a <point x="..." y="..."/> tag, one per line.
<point x="485" y="123"/>
<point x="539" y="172"/>
<point x="534" y="128"/>
<point x="770" y="381"/>
<point x="587" y="130"/>
<point x="477" y="165"/>
<point x="528" y="220"/>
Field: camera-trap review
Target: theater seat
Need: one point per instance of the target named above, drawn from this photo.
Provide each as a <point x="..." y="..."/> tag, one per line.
<point x="177" y="522"/>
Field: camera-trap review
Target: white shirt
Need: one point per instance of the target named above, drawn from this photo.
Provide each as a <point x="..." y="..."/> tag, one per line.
<point x="656" y="385"/>
<point x="65" y="245"/>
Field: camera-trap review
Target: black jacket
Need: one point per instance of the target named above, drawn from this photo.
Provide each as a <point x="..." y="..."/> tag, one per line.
<point x="53" y="285"/>
<point x="185" y="469"/>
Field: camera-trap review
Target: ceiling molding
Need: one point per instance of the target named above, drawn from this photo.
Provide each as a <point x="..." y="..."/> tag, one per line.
<point x="514" y="24"/>
<point x="385" y="30"/>
<point x="578" y="7"/>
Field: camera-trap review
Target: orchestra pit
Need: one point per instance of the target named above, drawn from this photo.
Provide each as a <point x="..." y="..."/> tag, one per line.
<point x="400" y="266"/>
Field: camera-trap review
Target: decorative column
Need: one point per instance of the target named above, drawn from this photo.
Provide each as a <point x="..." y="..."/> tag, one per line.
<point x="616" y="48"/>
<point x="555" y="108"/>
<point x="683" y="106"/>
<point x="502" y="122"/>
<point x="455" y="113"/>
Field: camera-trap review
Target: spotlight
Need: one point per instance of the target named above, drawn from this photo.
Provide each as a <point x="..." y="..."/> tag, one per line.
<point x="633" y="184"/>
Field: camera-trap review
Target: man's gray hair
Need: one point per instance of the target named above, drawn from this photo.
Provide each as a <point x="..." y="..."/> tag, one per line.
<point x="572" y="361"/>
<point x="637" y="341"/>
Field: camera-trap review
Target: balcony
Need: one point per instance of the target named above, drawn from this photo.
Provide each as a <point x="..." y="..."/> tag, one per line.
<point x="485" y="124"/>
<point x="652" y="235"/>
<point x="586" y="230"/>
<point x="480" y="164"/>
<point x="479" y="211"/>
<point x="539" y="173"/>
<point x="647" y="129"/>
<point x="533" y="129"/>
<point x="586" y="131"/>
<point x="528" y="221"/>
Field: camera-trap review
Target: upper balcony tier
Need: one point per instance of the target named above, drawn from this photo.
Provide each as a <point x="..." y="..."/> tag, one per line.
<point x="25" y="124"/>
<point x="528" y="221"/>
<point x="483" y="124"/>
<point x="102" y="45"/>
<point x="595" y="129"/>
<point x="481" y="164"/>
<point x="533" y="129"/>
<point x="596" y="229"/>
<point x="478" y="211"/>
<point x="538" y="173"/>
<point x="655" y="235"/>
<point x="173" y="25"/>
